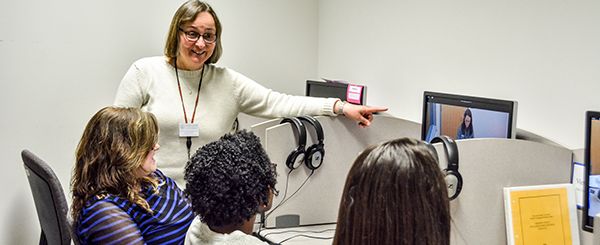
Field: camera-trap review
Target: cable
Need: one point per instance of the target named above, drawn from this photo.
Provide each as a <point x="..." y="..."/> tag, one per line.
<point x="287" y="182"/>
<point x="308" y="177"/>
<point x="263" y="216"/>
<point x="188" y="144"/>
<point x="285" y="193"/>
<point x="264" y="239"/>
<point x="301" y="235"/>
<point x="298" y="231"/>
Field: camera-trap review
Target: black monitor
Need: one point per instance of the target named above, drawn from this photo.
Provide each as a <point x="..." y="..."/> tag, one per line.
<point x="463" y="117"/>
<point x="591" y="199"/>
<point x="356" y="95"/>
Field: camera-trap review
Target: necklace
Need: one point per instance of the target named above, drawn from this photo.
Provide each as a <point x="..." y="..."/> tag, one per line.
<point x="188" y="88"/>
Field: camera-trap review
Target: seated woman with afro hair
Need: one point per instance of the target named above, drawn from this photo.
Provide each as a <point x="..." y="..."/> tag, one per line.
<point x="229" y="181"/>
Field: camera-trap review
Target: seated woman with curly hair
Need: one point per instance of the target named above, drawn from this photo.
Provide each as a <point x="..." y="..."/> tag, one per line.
<point x="229" y="181"/>
<point x="119" y="197"/>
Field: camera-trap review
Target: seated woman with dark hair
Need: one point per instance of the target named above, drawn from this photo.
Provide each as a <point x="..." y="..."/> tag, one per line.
<point x="229" y="181"/>
<point x="395" y="193"/>
<point x="465" y="130"/>
<point x="119" y="197"/>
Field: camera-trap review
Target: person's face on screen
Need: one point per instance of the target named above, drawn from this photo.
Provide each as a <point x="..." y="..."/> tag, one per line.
<point x="467" y="121"/>
<point x="193" y="53"/>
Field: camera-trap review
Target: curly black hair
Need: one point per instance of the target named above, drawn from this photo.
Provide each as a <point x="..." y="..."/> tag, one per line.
<point x="227" y="180"/>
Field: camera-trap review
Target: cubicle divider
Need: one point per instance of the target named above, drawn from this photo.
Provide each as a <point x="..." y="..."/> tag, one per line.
<point x="489" y="165"/>
<point x="318" y="200"/>
<point x="260" y="129"/>
<point x="486" y="165"/>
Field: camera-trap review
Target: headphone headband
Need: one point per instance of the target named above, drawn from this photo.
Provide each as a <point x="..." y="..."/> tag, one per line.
<point x="451" y="175"/>
<point x="316" y="124"/>
<point x="298" y="128"/>
<point x="451" y="150"/>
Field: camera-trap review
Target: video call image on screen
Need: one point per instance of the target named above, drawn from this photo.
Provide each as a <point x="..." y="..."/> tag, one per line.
<point x="460" y="122"/>
<point x="594" y="158"/>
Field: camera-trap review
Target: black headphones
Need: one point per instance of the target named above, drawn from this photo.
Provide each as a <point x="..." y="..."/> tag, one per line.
<point x="298" y="153"/>
<point x="315" y="153"/>
<point x="451" y="175"/>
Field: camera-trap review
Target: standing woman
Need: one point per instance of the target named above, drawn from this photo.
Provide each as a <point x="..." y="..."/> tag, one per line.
<point x="394" y="194"/>
<point x="465" y="130"/>
<point x="119" y="197"/>
<point x="196" y="102"/>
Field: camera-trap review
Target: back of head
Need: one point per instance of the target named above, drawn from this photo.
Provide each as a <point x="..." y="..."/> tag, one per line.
<point x="114" y="144"/>
<point x="394" y="194"/>
<point x="227" y="180"/>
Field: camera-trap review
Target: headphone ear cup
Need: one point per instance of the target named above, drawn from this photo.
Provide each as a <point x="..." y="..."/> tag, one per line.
<point x="295" y="158"/>
<point x="314" y="156"/>
<point x="453" y="183"/>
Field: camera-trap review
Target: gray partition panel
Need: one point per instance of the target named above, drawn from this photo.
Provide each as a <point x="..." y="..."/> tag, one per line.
<point x="317" y="202"/>
<point x="523" y="134"/>
<point x="488" y="165"/>
<point x="578" y="155"/>
<point x="247" y="121"/>
<point x="260" y="129"/>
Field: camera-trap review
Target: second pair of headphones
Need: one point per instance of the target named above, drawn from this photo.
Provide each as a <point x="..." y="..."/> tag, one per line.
<point x="312" y="156"/>
<point x="452" y="177"/>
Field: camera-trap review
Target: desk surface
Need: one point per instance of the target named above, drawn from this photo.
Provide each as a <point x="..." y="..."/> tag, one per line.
<point x="311" y="235"/>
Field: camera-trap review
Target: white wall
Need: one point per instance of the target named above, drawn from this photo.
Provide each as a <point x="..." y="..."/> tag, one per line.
<point x="542" y="53"/>
<point x="61" y="61"/>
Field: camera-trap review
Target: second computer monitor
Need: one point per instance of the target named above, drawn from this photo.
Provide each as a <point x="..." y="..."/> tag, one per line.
<point x="591" y="206"/>
<point x="464" y="117"/>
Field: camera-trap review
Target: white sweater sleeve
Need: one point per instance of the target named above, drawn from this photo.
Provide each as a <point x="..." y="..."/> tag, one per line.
<point x="132" y="91"/>
<point x="256" y="100"/>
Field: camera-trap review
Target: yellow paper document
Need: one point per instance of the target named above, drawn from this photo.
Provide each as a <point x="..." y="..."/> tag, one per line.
<point x="541" y="215"/>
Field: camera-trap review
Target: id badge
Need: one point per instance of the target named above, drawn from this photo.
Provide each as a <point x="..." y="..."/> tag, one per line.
<point x="189" y="130"/>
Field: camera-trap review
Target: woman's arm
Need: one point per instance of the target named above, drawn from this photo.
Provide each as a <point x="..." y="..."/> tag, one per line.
<point x="260" y="101"/>
<point x="106" y="223"/>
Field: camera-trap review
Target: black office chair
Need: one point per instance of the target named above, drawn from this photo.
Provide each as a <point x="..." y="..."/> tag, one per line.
<point x="49" y="198"/>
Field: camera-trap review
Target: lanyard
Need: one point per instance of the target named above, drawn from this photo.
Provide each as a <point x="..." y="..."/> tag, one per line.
<point x="188" y="142"/>
<point x="181" y="94"/>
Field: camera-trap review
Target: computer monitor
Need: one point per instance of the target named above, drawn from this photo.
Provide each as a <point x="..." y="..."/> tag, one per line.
<point x="356" y="94"/>
<point x="463" y="117"/>
<point x="591" y="198"/>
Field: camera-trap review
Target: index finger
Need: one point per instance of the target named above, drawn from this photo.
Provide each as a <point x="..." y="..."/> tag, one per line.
<point x="375" y="109"/>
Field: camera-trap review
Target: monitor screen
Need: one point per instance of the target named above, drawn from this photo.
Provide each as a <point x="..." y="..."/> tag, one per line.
<point x="335" y="90"/>
<point x="591" y="205"/>
<point x="464" y="117"/>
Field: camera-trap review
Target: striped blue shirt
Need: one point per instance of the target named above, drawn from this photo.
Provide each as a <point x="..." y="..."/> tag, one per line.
<point x="114" y="220"/>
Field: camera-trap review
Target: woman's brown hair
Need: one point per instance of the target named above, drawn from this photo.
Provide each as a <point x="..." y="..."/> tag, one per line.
<point x="113" y="147"/>
<point x="395" y="194"/>
<point x="186" y="13"/>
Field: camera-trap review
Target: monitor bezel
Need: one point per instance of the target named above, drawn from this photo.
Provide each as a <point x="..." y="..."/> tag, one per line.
<point x="471" y="102"/>
<point x="588" y="222"/>
<point x="310" y="83"/>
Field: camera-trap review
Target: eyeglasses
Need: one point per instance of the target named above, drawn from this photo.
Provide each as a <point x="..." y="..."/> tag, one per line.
<point x="194" y="36"/>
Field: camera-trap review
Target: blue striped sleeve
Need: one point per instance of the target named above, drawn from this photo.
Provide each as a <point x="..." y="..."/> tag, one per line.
<point x="106" y="223"/>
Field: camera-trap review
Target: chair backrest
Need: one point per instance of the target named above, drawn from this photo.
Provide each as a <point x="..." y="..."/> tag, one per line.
<point x="49" y="198"/>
